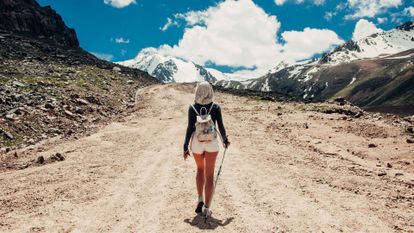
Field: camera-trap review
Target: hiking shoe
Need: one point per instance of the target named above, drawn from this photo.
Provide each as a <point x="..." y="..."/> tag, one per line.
<point x="199" y="208"/>
<point x="206" y="211"/>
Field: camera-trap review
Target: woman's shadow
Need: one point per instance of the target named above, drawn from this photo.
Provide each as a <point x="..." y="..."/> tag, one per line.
<point x="211" y="223"/>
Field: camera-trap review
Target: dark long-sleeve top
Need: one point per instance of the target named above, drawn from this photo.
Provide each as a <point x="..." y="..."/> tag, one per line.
<point x="192" y="118"/>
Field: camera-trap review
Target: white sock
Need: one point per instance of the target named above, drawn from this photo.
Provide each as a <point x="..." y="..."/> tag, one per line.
<point x="200" y="199"/>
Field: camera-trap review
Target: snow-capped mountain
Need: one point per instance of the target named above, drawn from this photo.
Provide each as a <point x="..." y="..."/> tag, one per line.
<point x="375" y="70"/>
<point x="171" y="69"/>
<point x="376" y="45"/>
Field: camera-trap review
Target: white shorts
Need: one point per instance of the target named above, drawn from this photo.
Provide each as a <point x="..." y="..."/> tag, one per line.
<point x="198" y="147"/>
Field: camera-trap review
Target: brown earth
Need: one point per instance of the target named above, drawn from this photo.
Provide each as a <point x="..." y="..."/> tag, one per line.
<point x="289" y="169"/>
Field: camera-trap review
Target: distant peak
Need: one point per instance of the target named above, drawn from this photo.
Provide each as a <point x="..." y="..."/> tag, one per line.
<point x="148" y="51"/>
<point x="407" y="26"/>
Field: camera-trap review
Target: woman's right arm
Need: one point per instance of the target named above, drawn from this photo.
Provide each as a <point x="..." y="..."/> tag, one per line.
<point x="221" y="127"/>
<point x="190" y="128"/>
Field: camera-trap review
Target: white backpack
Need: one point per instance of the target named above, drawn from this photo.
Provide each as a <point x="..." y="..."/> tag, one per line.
<point x="205" y="127"/>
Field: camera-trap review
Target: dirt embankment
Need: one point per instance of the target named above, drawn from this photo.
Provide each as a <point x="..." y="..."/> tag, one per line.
<point x="289" y="169"/>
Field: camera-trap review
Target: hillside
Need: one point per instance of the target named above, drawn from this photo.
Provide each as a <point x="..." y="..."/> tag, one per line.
<point x="49" y="86"/>
<point x="375" y="72"/>
<point x="302" y="169"/>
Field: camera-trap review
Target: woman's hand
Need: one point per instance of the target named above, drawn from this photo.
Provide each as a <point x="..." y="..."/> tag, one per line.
<point x="226" y="143"/>
<point x="186" y="154"/>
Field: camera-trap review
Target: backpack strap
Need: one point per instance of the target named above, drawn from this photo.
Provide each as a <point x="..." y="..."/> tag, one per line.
<point x="210" y="108"/>
<point x="208" y="113"/>
<point x="194" y="109"/>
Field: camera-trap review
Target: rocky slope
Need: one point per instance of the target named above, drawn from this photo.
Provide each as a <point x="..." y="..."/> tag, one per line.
<point x="28" y="18"/>
<point x="49" y="86"/>
<point x="171" y="69"/>
<point x="362" y="71"/>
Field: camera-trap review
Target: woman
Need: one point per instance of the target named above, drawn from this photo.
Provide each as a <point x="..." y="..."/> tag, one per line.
<point x="204" y="152"/>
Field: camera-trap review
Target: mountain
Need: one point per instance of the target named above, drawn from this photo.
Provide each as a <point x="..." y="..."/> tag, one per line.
<point x="28" y="18"/>
<point x="171" y="69"/>
<point x="49" y="86"/>
<point x="375" y="71"/>
<point x="376" y="45"/>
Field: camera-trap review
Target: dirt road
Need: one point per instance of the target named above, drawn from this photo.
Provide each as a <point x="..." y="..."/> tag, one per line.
<point x="288" y="170"/>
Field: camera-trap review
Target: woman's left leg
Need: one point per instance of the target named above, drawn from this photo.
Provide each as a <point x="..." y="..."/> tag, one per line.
<point x="209" y="164"/>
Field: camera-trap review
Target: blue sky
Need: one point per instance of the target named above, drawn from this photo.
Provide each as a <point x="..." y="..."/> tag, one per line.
<point x="119" y="29"/>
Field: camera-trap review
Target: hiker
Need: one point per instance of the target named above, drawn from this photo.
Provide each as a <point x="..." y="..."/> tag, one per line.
<point x="201" y="136"/>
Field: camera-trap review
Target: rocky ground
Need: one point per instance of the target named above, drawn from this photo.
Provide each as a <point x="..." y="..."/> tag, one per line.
<point x="51" y="91"/>
<point x="291" y="167"/>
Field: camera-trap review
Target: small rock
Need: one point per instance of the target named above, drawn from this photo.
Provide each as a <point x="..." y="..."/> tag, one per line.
<point x="49" y="106"/>
<point x="12" y="117"/>
<point x="279" y="113"/>
<point x="116" y="69"/>
<point x="69" y="113"/>
<point x="409" y="140"/>
<point x="378" y="165"/>
<point x="372" y="145"/>
<point x="410" y="129"/>
<point x="81" y="101"/>
<point x="18" y="84"/>
<point x="306" y="126"/>
<point x="7" y="134"/>
<point x="40" y="160"/>
<point x="58" y="157"/>
<point x="389" y="165"/>
<point x="399" y="174"/>
<point x="382" y="173"/>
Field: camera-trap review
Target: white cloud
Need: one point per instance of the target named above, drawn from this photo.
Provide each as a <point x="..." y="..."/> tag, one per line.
<point x="194" y="17"/>
<point x="103" y="56"/>
<point x="119" y="3"/>
<point x="120" y="40"/>
<point x="364" y="28"/>
<point x="303" y="44"/>
<point x="316" y="2"/>
<point x="409" y="11"/>
<point x="169" y="23"/>
<point x="228" y="34"/>
<point x="329" y="15"/>
<point x="370" y="8"/>
<point x="241" y="34"/>
<point x="382" y="20"/>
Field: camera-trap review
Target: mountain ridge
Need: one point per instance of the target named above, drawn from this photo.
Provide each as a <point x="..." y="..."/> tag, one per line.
<point x="357" y="79"/>
<point x="171" y="69"/>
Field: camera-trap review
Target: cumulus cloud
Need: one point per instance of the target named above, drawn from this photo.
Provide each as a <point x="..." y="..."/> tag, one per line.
<point x="369" y="8"/>
<point x="364" y="28"/>
<point x="303" y="44"/>
<point x="228" y="34"/>
<point x="119" y="3"/>
<point x="103" y="56"/>
<point x="169" y="24"/>
<point x="240" y="34"/>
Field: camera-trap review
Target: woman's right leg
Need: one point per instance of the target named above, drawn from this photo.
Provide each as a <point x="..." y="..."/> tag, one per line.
<point x="209" y="169"/>
<point x="199" y="159"/>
